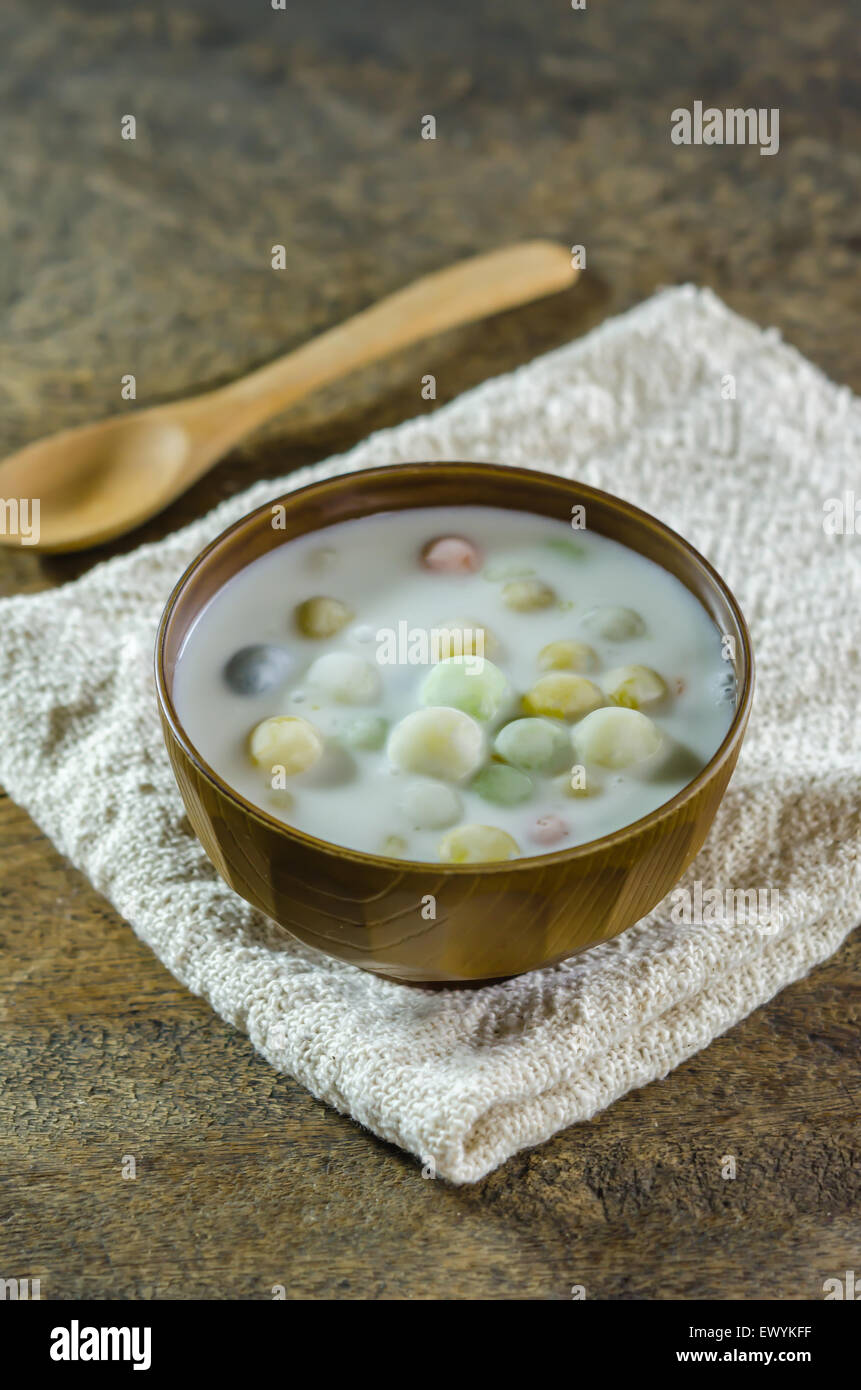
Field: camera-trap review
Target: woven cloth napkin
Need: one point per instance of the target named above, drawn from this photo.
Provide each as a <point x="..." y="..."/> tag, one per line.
<point x="723" y="432"/>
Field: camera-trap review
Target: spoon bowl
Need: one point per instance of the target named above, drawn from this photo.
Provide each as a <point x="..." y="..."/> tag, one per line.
<point x="98" y="481"/>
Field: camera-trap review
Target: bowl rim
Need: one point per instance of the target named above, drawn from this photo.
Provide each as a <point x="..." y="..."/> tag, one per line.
<point x="523" y="863"/>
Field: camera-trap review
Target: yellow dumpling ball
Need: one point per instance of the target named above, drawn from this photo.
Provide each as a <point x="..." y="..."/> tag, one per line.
<point x="614" y="624"/>
<point x="567" y="656"/>
<point x="285" y="741"/>
<point x="477" y="844"/>
<point x="526" y="595"/>
<point x="634" y="686"/>
<point x="321" y="617"/>
<point x="465" y="637"/>
<point x="563" y="695"/>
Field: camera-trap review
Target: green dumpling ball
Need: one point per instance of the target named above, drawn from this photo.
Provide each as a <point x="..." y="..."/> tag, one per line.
<point x="503" y="785"/>
<point x="469" y="683"/>
<point x="534" y="745"/>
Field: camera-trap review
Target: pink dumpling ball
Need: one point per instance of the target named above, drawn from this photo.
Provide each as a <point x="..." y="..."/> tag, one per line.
<point x="547" y="830"/>
<point x="451" y="555"/>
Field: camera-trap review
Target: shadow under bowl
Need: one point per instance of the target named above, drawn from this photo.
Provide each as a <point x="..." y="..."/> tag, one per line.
<point x="491" y="921"/>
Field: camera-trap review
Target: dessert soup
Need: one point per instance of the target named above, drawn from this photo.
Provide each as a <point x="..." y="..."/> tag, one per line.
<point x="455" y="684"/>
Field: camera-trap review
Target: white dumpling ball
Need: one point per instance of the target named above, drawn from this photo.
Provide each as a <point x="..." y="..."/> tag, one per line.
<point x="437" y="742"/>
<point x="616" y="737"/>
<point x="429" y="805"/>
<point x="344" y="677"/>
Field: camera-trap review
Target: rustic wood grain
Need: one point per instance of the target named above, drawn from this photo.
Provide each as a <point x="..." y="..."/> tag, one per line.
<point x="152" y="257"/>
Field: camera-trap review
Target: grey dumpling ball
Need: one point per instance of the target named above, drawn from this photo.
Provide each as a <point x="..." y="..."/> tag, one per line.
<point x="253" y="670"/>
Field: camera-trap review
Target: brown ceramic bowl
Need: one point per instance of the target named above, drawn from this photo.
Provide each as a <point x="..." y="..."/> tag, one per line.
<point x="492" y="921"/>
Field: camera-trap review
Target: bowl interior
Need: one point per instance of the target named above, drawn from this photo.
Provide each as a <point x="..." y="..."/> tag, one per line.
<point x="405" y="486"/>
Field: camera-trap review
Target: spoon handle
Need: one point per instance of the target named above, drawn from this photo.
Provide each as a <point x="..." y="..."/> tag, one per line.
<point x="471" y="289"/>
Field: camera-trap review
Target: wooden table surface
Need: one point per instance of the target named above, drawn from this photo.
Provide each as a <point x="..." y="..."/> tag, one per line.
<point x="302" y="127"/>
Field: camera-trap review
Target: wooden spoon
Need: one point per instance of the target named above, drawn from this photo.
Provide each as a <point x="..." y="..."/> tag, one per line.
<point x="99" y="481"/>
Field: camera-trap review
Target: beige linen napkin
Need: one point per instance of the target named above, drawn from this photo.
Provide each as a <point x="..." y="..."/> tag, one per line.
<point x="721" y="431"/>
